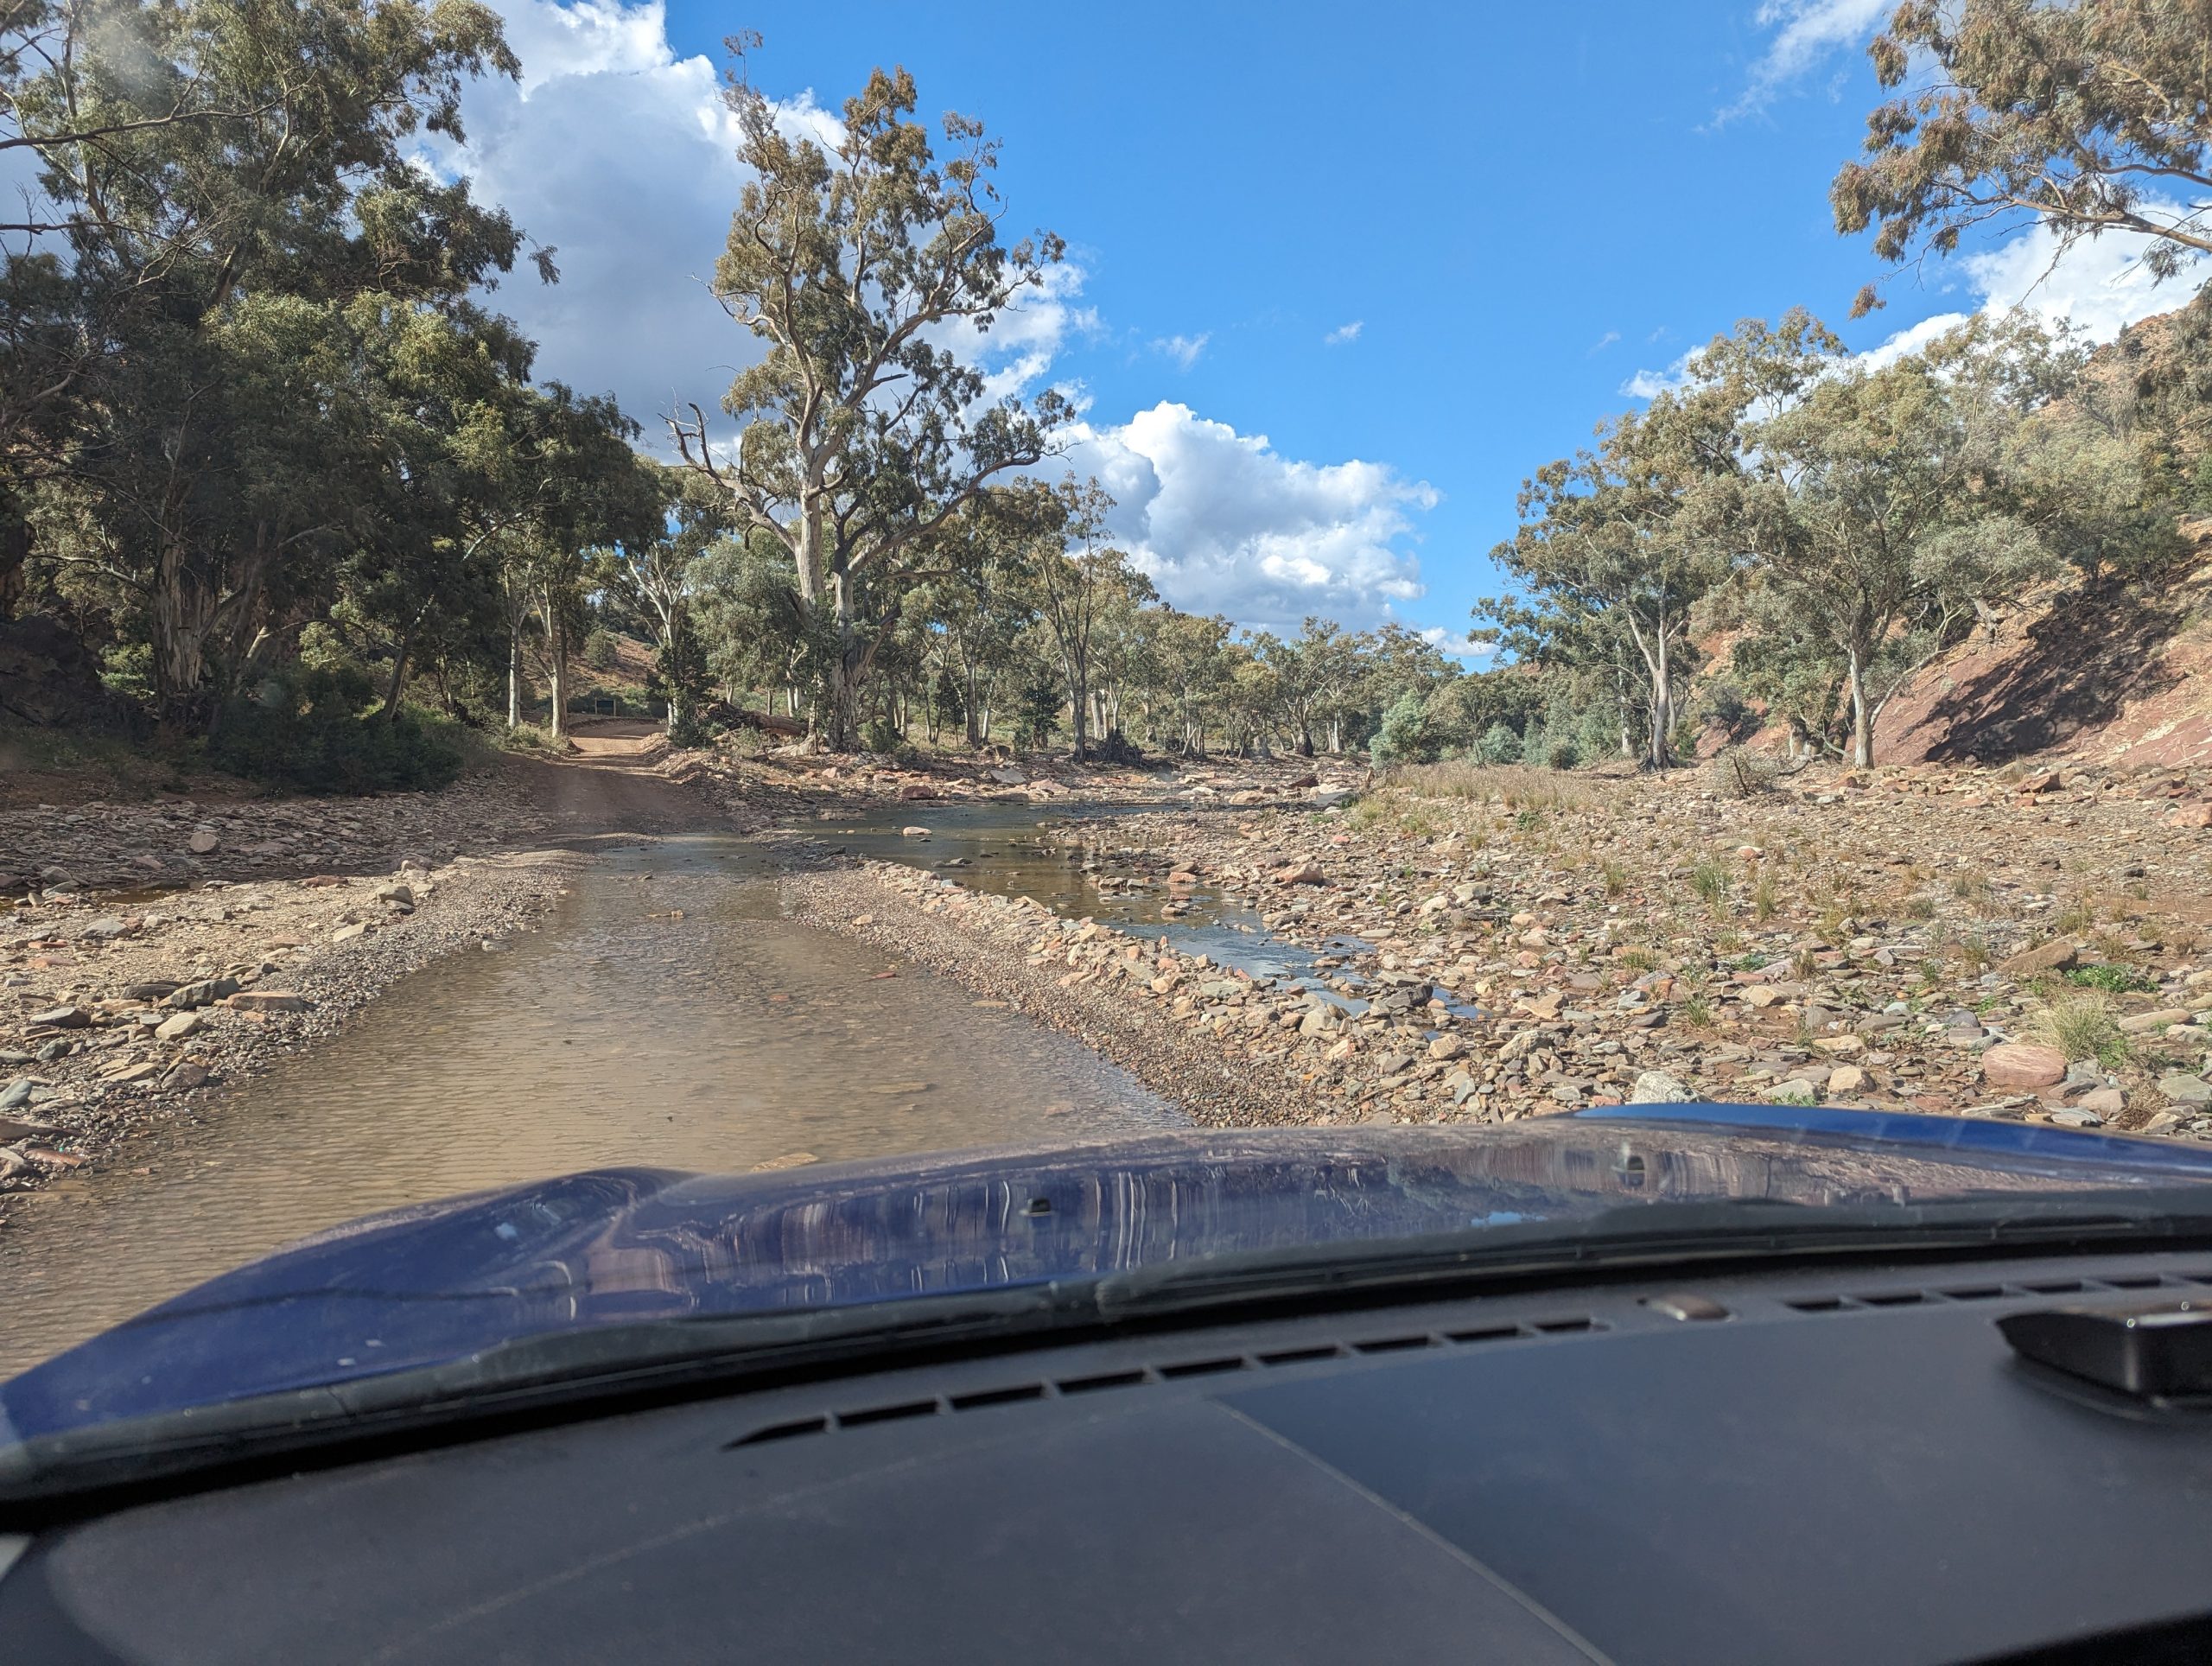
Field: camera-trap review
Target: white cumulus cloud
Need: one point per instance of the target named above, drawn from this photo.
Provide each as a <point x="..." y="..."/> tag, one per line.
<point x="620" y="154"/>
<point x="1807" y="34"/>
<point x="2099" y="286"/>
<point x="1344" y="334"/>
<point x="1223" y="522"/>
<point x="1183" y="349"/>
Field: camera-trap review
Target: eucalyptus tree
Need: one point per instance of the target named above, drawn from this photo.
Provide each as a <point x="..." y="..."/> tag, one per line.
<point x="654" y="576"/>
<point x="857" y="265"/>
<point x="1885" y="502"/>
<point x="983" y="599"/>
<point x="2085" y="118"/>
<point x="1624" y="540"/>
<point x="210" y="262"/>
<point x="1081" y="583"/>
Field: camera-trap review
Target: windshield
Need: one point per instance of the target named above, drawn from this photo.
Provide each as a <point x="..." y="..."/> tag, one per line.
<point x="647" y="678"/>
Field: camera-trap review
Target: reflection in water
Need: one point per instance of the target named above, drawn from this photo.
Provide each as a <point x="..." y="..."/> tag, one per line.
<point x="1017" y="850"/>
<point x="722" y="1039"/>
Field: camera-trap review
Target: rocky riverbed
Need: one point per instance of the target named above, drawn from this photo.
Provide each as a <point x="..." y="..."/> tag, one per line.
<point x="117" y="1015"/>
<point x="2025" y="944"/>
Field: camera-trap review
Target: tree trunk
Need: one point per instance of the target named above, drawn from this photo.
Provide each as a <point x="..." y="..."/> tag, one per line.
<point x="557" y="653"/>
<point x="844" y="668"/>
<point x="968" y="709"/>
<point x="1079" y="712"/>
<point x="1862" y="715"/>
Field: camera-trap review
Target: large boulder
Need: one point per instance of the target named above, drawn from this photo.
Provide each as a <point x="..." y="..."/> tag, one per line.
<point x="2023" y="1065"/>
<point x="2055" y="956"/>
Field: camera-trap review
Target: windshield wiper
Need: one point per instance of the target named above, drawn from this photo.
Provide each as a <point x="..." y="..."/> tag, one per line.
<point x="561" y="1375"/>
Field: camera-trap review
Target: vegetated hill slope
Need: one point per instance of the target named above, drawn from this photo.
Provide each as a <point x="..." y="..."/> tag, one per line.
<point x="2109" y="673"/>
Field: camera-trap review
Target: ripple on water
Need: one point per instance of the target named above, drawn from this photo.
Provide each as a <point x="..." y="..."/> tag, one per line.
<point x="666" y="1015"/>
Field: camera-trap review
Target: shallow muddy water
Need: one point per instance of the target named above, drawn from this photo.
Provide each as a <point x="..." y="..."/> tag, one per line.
<point x="664" y="1016"/>
<point x="1022" y="850"/>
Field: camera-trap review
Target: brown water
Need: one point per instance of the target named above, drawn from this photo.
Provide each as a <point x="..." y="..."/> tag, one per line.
<point x="724" y="1040"/>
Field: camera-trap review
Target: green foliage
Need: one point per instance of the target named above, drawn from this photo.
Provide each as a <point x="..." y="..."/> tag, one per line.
<point x="2084" y="1026"/>
<point x="1403" y="736"/>
<point x="1499" y="745"/>
<point x="315" y="732"/>
<point x="1563" y="755"/>
<point x="601" y="651"/>
<point x="2113" y="980"/>
<point x="1711" y="880"/>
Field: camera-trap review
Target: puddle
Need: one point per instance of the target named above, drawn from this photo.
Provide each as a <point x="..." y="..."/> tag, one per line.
<point x="666" y="1015"/>
<point x="1023" y="850"/>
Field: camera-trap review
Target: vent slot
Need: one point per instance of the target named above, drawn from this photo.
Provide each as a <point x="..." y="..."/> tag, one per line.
<point x="1487" y="1334"/>
<point x="1972" y="1293"/>
<point x="1567" y="1326"/>
<point x="1894" y="1299"/>
<point x="1202" y="1367"/>
<point x="1393" y="1345"/>
<point x="853" y="1420"/>
<point x="1815" y="1304"/>
<point x="996" y="1397"/>
<point x="1104" y="1380"/>
<point x="1302" y="1356"/>
<point x="783" y="1431"/>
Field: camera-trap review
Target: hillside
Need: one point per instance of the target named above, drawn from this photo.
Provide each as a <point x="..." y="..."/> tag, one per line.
<point x="2108" y="674"/>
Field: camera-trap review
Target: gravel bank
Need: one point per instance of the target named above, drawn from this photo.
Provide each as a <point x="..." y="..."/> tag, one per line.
<point x="114" y="1017"/>
<point x="1075" y="977"/>
<point x="2028" y="944"/>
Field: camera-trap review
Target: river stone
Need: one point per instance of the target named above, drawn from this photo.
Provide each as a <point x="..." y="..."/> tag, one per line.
<point x="205" y="993"/>
<point x="180" y="1024"/>
<point x="2186" y="1090"/>
<point x="2055" y="956"/>
<point x="203" y="842"/>
<point x="108" y="925"/>
<point x="1847" y="1079"/>
<point x="2023" y="1065"/>
<point x="913" y="832"/>
<point x="59" y="1018"/>
<point x="1446" y="1046"/>
<point x="268" y="1001"/>
<point x="17" y="1092"/>
<point x="1658" y="1087"/>
<point x="1795" y="1091"/>
<point x="2142" y="1023"/>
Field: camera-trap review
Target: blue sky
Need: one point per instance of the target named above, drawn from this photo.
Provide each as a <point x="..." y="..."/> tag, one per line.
<point x="1338" y="277"/>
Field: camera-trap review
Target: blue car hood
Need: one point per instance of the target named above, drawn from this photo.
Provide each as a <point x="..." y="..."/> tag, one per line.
<point x="439" y="1283"/>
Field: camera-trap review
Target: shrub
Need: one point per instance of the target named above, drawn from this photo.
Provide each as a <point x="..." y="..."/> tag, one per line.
<point x="1710" y="879"/>
<point x="1403" y="737"/>
<point x="1745" y="773"/>
<point x="1563" y="755"/>
<point x="307" y="731"/>
<point x="2084" y="1026"/>
<point x="2113" y="980"/>
<point x="1499" y="745"/>
<point x="601" y="651"/>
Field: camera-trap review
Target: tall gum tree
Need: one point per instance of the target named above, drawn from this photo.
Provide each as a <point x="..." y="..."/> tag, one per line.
<point x="1884" y="503"/>
<point x="1619" y="543"/>
<point x="2088" y="118"/>
<point x="200" y="162"/>
<point x="862" y="432"/>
